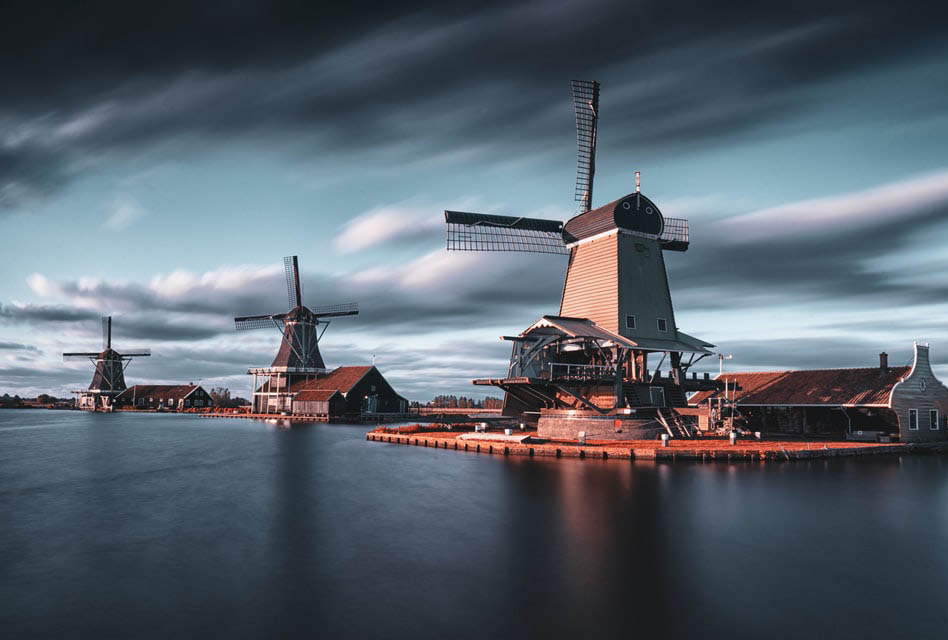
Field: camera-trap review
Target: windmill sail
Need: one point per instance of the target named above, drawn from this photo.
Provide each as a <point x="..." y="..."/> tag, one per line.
<point x="292" y="268"/>
<point x="245" y="323"/>
<point x="483" y="232"/>
<point x="586" y="104"/>
<point x="336" y="310"/>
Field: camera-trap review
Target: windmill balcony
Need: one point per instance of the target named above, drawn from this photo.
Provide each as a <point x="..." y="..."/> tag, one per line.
<point x="581" y="372"/>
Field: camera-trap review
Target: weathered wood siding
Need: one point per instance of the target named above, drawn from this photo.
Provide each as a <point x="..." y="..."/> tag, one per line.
<point x="642" y="289"/>
<point x="921" y="390"/>
<point x="592" y="280"/>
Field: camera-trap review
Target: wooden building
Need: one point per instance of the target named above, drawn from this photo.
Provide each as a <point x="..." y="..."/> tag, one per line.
<point x="344" y="392"/>
<point x="908" y="403"/>
<point x="166" y="397"/>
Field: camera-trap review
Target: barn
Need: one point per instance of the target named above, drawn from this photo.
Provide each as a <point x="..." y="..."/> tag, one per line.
<point x="344" y="392"/>
<point x="362" y="391"/>
<point x="870" y="403"/>
<point x="168" y="397"/>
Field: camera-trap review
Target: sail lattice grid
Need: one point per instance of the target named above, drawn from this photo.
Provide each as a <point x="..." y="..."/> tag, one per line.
<point x="586" y="103"/>
<point x="483" y="232"/>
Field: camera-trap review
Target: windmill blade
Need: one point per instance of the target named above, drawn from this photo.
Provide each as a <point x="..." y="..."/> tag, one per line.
<point x="135" y="353"/>
<point x="292" y="267"/>
<point x="586" y="104"/>
<point x="335" y="310"/>
<point x="79" y="356"/>
<point x="106" y="332"/>
<point x="245" y="323"/>
<point x="483" y="232"/>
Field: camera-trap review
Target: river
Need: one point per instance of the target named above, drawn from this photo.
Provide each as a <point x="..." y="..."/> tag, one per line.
<point x="140" y="526"/>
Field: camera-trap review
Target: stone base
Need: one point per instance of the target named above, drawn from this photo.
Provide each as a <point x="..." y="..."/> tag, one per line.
<point x="566" y="425"/>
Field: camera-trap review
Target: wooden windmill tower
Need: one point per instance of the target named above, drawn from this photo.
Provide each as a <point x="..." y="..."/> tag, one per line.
<point x="108" y="381"/>
<point x="586" y="369"/>
<point x="298" y="358"/>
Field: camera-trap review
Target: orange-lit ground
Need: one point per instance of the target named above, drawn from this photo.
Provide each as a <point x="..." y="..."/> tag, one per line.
<point x="705" y="448"/>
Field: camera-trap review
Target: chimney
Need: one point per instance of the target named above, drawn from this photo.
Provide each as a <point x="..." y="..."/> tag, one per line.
<point x="884" y="361"/>
<point x="637" y="181"/>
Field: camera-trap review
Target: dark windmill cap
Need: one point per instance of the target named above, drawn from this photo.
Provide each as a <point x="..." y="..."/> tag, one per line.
<point x="110" y="354"/>
<point x="634" y="213"/>
<point x="299" y="314"/>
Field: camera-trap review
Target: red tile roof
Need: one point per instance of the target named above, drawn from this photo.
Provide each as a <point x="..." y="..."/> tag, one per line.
<point x="341" y="378"/>
<point x="834" y="387"/>
<point x="316" y="395"/>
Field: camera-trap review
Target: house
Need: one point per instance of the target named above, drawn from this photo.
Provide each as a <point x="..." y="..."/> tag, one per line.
<point x="909" y="403"/>
<point x="165" y="397"/>
<point x="362" y="391"/>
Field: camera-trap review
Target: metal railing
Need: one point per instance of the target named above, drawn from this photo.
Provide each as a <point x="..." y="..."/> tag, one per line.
<point x="565" y="371"/>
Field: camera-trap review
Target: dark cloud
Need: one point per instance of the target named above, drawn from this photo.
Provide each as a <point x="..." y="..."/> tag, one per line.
<point x="17" y="346"/>
<point x="409" y="81"/>
<point x="808" y="261"/>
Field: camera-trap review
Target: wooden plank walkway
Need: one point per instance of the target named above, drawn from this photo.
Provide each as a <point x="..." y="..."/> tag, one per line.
<point x="652" y="450"/>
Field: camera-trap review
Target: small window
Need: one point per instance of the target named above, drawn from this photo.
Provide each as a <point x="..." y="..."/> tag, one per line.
<point x="630" y="322"/>
<point x="933" y="419"/>
<point x="913" y="419"/>
<point x="187" y="403"/>
<point x="662" y="325"/>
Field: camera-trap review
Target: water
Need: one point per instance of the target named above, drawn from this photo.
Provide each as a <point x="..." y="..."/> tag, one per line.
<point x="173" y="526"/>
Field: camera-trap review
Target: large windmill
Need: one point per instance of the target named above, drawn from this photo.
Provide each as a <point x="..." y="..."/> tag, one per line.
<point x="586" y="369"/>
<point x="108" y="381"/>
<point x="298" y="358"/>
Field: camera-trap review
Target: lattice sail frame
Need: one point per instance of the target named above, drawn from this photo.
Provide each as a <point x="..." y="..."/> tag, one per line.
<point x="335" y="310"/>
<point x="586" y="104"/>
<point x="259" y="322"/>
<point x="483" y="232"/>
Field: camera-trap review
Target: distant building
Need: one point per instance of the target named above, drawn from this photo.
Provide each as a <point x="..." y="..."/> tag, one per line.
<point x="859" y="403"/>
<point x="343" y="392"/>
<point x="164" y="396"/>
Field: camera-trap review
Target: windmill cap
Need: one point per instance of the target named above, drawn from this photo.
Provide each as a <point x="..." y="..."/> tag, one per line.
<point x="300" y="313"/>
<point x="110" y="354"/>
<point x="633" y="212"/>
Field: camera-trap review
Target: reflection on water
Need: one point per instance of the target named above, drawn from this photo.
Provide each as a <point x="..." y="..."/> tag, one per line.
<point x="141" y="526"/>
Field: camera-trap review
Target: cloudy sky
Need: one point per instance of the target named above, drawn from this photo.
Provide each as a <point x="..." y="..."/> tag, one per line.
<point x="157" y="164"/>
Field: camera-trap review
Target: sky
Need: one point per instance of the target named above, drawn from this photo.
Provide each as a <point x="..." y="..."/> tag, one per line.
<point x="157" y="164"/>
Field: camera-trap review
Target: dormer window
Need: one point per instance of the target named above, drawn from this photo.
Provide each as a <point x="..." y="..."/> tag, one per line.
<point x="662" y="325"/>
<point x="630" y="322"/>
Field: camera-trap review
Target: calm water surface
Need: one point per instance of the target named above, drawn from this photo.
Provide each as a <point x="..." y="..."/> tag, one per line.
<point x="174" y="526"/>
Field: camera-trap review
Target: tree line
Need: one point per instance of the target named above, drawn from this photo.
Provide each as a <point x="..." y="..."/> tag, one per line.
<point x="454" y="402"/>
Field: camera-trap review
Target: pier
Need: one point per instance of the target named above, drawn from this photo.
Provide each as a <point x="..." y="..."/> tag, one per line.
<point x="702" y="450"/>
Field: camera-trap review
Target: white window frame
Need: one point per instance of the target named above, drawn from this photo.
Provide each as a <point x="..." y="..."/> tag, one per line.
<point x="933" y="423"/>
<point x="658" y="323"/>
<point x="662" y="389"/>
<point x="629" y="325"/>
<point x="915" y="412"/>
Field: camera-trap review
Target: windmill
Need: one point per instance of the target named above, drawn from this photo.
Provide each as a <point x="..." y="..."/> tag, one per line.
<point x="298" y="357"/>
<point x="615" y="308"/>
<point x="108" y="381"/>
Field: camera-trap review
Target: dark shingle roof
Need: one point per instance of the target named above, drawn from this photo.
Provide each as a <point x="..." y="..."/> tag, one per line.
<point x="833" y="387"/>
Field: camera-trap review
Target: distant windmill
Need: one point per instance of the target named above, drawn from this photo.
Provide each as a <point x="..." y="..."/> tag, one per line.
<point x="108" y="380"/>
<point x="298" y="357"/>
<point x="615" y="284"/>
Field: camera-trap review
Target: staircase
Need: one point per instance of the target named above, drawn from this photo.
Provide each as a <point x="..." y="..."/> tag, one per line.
<point x="674" y="425"/>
